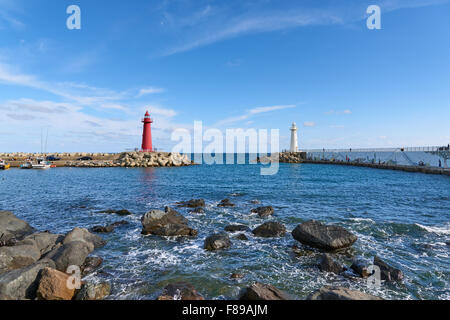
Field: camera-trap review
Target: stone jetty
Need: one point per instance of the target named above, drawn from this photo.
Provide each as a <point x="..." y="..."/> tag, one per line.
<point x="105" y="160"/>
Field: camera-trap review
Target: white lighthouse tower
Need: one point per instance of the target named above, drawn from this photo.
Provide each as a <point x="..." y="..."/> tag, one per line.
<point x="294" y="140"/>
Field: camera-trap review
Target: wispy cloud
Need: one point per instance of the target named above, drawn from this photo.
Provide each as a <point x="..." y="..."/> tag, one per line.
<point x="253" y="112"/>
<point x="309" y="124"/>
<point x="337" y="112"/>
<point x="149" y="90"/>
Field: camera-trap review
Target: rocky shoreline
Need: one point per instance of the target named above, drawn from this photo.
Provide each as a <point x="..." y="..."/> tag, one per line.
<point x="39" y="265"/>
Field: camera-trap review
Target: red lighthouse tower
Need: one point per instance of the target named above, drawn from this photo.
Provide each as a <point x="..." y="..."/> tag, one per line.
<point x="147" y="134"/>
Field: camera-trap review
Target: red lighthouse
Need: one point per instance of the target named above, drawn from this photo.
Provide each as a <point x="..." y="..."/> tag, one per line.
<point x="147" y="134"/>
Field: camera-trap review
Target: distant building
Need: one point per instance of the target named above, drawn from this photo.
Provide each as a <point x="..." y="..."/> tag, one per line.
<point x="294" y="140"/>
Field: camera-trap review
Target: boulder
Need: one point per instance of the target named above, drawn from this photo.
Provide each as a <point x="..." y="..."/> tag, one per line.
<point x="361" y="266"/>
<point x="324" y="237"/>
<point x="119" y="223"/>
<point x="241" y="236"/>
<point x="270" y="229"/>
<point x="217" y="241"/>
<point x="90" y="265"/>
<point x="225" y="203"/>
<point x="94" y="291"/>
<point x="236" y="276"/>
<point x="180" y="291"/>
<point x="194" y="203"/>
<point x="18" y="256"/>
<point x="22" y="283"/>
<point x="53" y="286"/>
<point x="236" y="228"/>
<point x="73" y="253"/>
<point x="166" y="223"/>
<point x="45" y="241"/>
<point x="122" y="212"/>
<point x="81" y="234"/>
<point x="260" y="291"/>
<point x="263" y="211"/>
<point x="103" y="229"/>
<point x="12" y="227"/>
<point x="198" y="210"/>
<point x="328" y="264"/>
<point x="388" y="273"/>
<point x="340" y="293"/>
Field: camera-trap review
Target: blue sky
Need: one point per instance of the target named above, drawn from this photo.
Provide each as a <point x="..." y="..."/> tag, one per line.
<point x="231" y="64"/>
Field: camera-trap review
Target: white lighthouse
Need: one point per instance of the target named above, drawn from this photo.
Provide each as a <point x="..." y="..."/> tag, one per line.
<point x="294" y="140"/>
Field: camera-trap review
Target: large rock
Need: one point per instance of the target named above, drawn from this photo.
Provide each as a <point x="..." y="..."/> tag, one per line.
<point x="324" y="237"/>
<point x="45" y="241"/>
<point x="94" y="291"/>
<point x="388" y="273"/>
<point x="225" y="203"/>
<point x="217" y="241"/>
<point x="236" y="228"/>
<point x="81" y="234"/>
<point x="22" y="283"/>
<point x="180" y="291"/>
<point x="122" y="212"/>
<point x="103" y="229"/>
<point x="18" y="256"/>
<point x="361" y="266"/>
<point x="263" y="211"/>
<point x="12" y="227"/>
<point x="270" y="229"/>
<point x="90" y="265"/>
<point x="53" y="286"/>
<point x="340" y="293"/>
<point x="194" y="203"/>
<point x="73" y="253"/>
<point x="260" y="291"/>
<point x="166" y="223"/>
<point x="328" y="264"/>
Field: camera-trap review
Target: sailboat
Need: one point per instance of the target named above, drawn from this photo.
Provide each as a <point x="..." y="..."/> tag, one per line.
<point x="41" y="164"/>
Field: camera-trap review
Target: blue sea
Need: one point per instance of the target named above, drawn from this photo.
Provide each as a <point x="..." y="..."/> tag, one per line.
<point x="402" y="217"/>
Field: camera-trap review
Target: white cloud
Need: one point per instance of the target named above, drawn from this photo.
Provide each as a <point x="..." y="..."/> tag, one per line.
<point x="309" y="124"/>
<point x="149" y="90"/>
<point x="253" y="112"/>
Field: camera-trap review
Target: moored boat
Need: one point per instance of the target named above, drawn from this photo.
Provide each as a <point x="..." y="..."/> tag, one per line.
<point x="27" y="165"/>
<point x="41" y="164"/>
<point x="4" y="165"/>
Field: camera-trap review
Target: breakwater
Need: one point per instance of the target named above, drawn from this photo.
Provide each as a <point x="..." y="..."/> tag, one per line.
<point x="105" y="160"/>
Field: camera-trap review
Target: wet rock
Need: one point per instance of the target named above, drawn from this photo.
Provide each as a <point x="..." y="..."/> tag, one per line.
<point x="119" y="223"/>
<point x="22" y="283"/>
<point x="263" y="211"/>
<point x="194" y="203"/>
<point x="225" y="203"/>
<point x="90" y="265"/>
<point x="81" y="234"/>
<point x="53" y="286"/>
<point x="94" y="291"/>
<point x="340" y="293"/>
<point x="302" y="252"/>
<point x="12" y="227"/>
<point x="361" y="267"/>
<point x="198" y="210"/>
<point x="217" y="241"/>
<point x="236" y="228"/>
<point x="255" y="201"/>
<point x="236" y="276"/>
<point x="270" y="229"/>
<point x="324" y="237"/>
<point x="18" y="256"/>
<point x="260" y="291"/>
<point x="103" y="229"/>
<point x="180" y="291"/>
<point x="241" y="236"/>
<point x="166" y="223"/>
<point x="328" y="264"/>
<point x="73" y="253"/>
<point x="122" y="212"/>
<point x="388" y="273"/>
